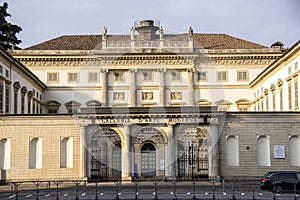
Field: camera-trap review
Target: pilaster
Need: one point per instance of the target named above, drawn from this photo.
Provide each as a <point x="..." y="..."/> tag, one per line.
<point x="104" y="87"/>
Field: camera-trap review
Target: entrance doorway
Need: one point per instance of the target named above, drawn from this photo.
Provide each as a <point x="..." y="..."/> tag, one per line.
<point x="105" y="155"/>
<point x="148" y="160"/>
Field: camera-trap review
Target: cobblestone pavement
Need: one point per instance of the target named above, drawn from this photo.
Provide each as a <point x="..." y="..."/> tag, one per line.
<point x="141" y="190"/>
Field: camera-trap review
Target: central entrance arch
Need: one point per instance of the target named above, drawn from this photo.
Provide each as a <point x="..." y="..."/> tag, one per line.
<point x="104" y="155"/>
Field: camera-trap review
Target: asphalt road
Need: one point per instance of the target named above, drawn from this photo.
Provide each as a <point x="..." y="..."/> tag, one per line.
<point x="144" y="190"/>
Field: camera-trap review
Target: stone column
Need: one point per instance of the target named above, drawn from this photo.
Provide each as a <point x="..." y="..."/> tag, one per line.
<point x="213" y="150"/>
<point x="162" y="87"/>
<point x="170" y="161"/>
<point x="83" y="147"/>
<point x="191" y="86"/>
<point x="126" y="155"/>
<point x="133" y="92"/>
<point x="104" y="87"/>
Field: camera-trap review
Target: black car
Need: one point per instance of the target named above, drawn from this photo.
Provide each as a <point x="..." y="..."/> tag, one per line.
<point x="281" y="181"/>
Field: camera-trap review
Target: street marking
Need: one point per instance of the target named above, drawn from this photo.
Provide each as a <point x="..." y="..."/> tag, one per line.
<point x="47" y="195"/>
<point x="30" y="195"/>
<point x="12" y="196"/>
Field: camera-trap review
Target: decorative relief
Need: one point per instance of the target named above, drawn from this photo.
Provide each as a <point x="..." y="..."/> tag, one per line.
<point x="147" y="95"/>
<point x="149" y="134"/>
<point x="176" y="95"/>
<point x="191" y="133"/>
<point x="119" y="96"/>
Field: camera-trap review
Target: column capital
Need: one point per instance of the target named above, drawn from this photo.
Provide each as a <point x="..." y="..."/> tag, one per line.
<point x="162" y="70"/>
<point x="132" y="70"/>
<point x="104" y="70"/>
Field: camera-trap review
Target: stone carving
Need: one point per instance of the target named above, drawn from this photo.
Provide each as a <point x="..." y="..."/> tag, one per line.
<point x="119" y="96"/>
<point x="149" y="134"/>
<point x="147" y="96"/>
<point x="176" y="95"/>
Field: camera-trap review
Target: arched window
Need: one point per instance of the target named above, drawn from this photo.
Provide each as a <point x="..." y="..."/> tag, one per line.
<point x="4" y="153"/>
<point x="52" y="106"/>
<point x="66" y="152"/>
<point x="294" y="151"/>
<point x="263" y="151"/>
<point x="35" y="153"/>
<point x="148" y="154"/>
<point x="232" y="151"/>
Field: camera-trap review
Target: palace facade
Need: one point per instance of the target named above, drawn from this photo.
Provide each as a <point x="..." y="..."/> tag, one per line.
<point x="148" y="104"/>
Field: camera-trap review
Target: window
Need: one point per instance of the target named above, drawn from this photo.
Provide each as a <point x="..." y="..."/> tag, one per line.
<point x="52" y="106"/>
<point x="176" y="95"/>
<point x="243" y="105"/>
<point x="72" y="106"/>
<point x="296" y="92"/>
<point x="242" y="76"/>
<point x="4" y="153"/>
<point x="289" y="70"/>
<point x="29" y="97"/>
<point x="7" y="100"/>
<point x="232" y="151"/>
<point x="52" y="77"/>
<point x="35" y="153"/>
<point x="222" y="76"/>
<point x="175" y="76"/>
<point x="66" y="152"/>
<point x="6" y="73"/>
<point x="263" y="151"/>
<point x="296" y="66"/>
<point x="147" y="76"/>
<point x="119" y="76"/>
<point x="1" y="96"/>
<point x="1" y="69"/>
<point x="202" y="76"/>
<point x="290" y="95"/>
<point x="294" y="151"/>
<point x="16" y="89"/>
<point x="147" y="95"/>
<point x="72" y="77"/>
<point x="23" y="93"/>
<point x="93" y="77"/>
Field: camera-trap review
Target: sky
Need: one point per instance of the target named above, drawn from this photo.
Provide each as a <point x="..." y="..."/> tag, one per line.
<point x="261" y="21"/>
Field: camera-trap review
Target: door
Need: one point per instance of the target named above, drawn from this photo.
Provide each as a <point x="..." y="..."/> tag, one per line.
<point x="148" y="160"/>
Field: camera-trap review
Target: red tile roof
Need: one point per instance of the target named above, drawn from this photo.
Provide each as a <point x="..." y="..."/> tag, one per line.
<point x="90" y="42"/>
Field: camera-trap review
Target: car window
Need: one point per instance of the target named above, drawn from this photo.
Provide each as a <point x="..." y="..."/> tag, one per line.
<point x="298" y="176"/>
<point x="288" y="176"/>
<point x="274" y="176"/>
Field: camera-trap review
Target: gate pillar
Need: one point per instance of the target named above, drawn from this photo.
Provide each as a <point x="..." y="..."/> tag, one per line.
<point x="126" y="155"/>
<point x="213" y="151"/>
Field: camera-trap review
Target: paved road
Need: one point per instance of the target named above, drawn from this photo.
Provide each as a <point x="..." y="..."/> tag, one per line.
<point x="143" y="190"/>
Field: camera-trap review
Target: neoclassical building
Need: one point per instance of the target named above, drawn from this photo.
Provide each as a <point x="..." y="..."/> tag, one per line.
<point x="148" y="104"/>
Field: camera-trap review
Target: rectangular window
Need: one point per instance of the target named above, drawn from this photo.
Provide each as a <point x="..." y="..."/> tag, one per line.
<point x="222" y="76"/>
<point x="274" y="100"/>
<point x="35" y="153"/>
<point x="1" y="69"/>
<point x="242" y="76"/>
<point x="175" y="76"/>
<point x="118" y="95"/>
<point x="7" y="73"/>
<point x="119" y="76"/>
<point x="52" y="77"/>
<point x="93" y="77"/>
<point x="1" y="97"/>
<point x="290" y="95"/>
<point x="281" y="99"/>
<point x="147" y="76"/>
<point x="296" y="66"/>
<point x="72" y="77"/>
<point x="15" y="101"/>
<point x="202" y="76"/>
<point x="296" y="91"/>
<point x="22" y="103"/>
<point x="4" y="154"/>
<point x="66" y="152"/>
<point x="7" y="100"/>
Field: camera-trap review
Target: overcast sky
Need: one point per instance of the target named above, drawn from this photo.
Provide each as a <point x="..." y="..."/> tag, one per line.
<point x="259" y="21"/>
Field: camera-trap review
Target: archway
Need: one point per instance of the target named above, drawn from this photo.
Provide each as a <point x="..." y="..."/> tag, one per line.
<point x="105" y="154"/>
<point x="192" y="153"/>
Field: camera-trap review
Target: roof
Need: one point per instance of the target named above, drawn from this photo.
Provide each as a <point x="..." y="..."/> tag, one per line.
<point x="90" y="42"/>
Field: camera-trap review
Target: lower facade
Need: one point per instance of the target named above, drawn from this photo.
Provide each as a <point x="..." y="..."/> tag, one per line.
<point x="171" y="143"/>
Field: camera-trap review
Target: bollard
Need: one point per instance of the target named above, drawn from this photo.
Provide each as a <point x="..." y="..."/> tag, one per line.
<point x="253" y="193"/>
<point x="174" y="190"/>
<point x="136" y="189"/>
<point x="233" y="194"/>
<point x="96" y="197"/>
<point x="57" y="183"/>
<point x="214" y="196"/>
<point x="155" y="190"/>
<point x="194" y="191"/>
